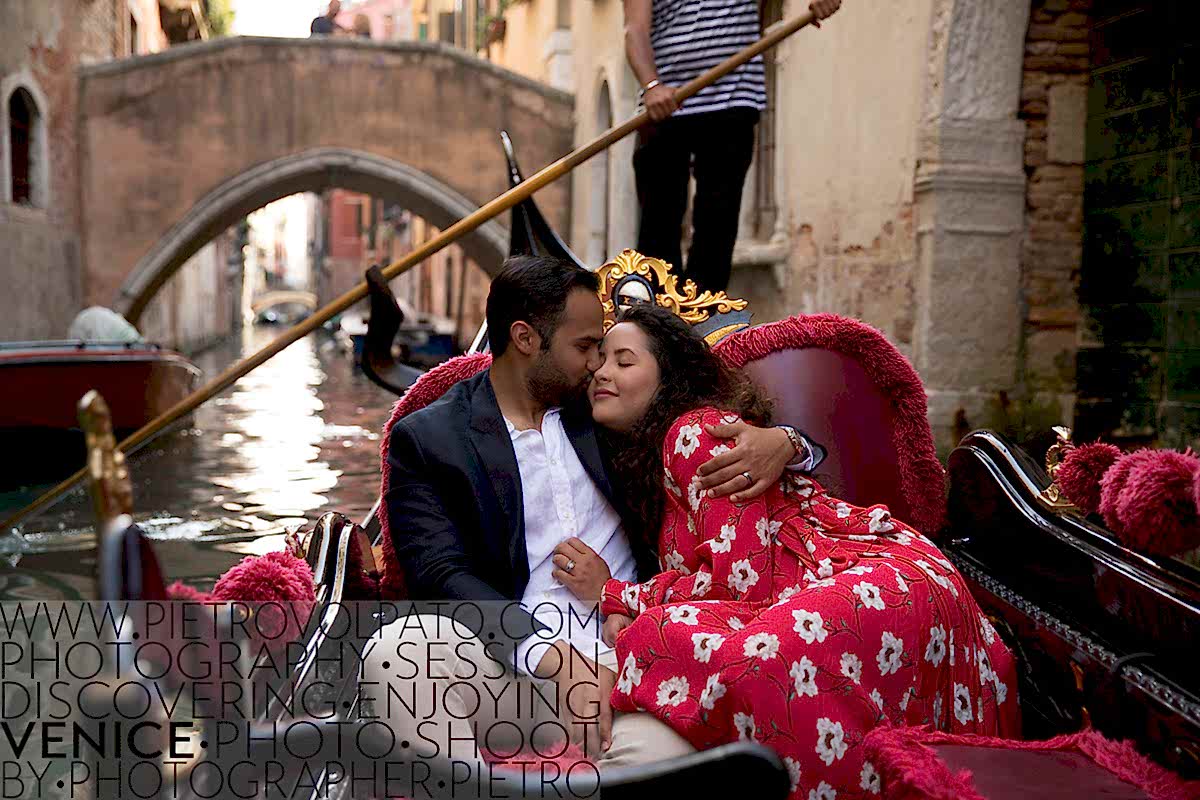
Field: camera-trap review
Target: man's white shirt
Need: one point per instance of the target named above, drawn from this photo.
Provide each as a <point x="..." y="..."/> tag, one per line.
<point x="560" y="500"/>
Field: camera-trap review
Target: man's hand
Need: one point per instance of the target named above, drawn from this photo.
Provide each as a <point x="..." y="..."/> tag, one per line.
<point x="588" y="573"/>
<point x="584" y="692"/>
<point x="823" y="9"/>
<point x="762" y="452"/>
<point x="614" y="624"/>
<point x="660" y="102"/>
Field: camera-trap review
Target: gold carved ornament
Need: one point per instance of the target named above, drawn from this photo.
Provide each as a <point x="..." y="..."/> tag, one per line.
<point x="692" y="305"/>
<point x="111" y="489"/>
<point x="1052" y="495"/>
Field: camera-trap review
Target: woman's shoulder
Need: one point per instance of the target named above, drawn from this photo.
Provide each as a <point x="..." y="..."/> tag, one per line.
<point x="687" y="434"/>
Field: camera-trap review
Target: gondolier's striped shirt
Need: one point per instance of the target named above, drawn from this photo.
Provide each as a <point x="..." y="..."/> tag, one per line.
<point x="690" y="36"/>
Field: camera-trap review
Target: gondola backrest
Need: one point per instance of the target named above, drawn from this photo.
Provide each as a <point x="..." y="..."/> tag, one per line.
<point x="849" y="389"/>
<point x="428" y="388"/>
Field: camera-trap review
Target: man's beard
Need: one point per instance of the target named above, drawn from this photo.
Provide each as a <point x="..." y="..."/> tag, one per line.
<point x="550" y="386"/>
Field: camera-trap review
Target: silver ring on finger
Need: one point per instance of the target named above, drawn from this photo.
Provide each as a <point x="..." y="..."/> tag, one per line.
<point x="749" y="478"/>
<point x="570" y="564"/>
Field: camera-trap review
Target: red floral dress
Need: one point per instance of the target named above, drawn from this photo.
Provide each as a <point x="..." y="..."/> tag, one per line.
<point x="802" y="622"/>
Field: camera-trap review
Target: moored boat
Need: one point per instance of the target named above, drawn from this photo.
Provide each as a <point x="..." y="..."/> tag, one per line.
<point x="43" y="382"/>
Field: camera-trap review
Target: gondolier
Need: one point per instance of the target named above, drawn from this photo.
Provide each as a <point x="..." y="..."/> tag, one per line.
<point x="668" y="43"/>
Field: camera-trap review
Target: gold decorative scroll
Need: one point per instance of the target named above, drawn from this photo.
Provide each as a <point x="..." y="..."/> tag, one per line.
<point x="1052" y="495"/>
<point x="112" y="492"/>
<point x="692" y="305"/>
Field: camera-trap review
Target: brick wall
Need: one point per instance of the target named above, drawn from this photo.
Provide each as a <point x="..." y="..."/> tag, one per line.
<point x="1054" y="107"/>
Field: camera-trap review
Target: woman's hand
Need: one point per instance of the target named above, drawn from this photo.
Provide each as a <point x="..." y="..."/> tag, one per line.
<point x="588" y="571"/>
<point x="614" y="625"/>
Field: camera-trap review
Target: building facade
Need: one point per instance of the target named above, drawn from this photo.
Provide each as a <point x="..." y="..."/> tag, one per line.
<point x="42" y="43"/>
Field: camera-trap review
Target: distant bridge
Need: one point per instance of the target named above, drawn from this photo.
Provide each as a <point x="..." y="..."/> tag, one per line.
<point x="279" y="298"/>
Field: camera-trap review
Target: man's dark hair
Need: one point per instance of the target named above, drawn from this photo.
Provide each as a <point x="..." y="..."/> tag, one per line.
<point x="533" y="289"/>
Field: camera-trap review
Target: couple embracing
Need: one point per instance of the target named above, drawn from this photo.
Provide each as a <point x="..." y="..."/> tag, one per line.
<point x="740" y="601"/>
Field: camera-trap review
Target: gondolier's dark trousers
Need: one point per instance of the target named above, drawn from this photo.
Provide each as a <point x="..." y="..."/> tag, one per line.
<point x="716" y="146"/>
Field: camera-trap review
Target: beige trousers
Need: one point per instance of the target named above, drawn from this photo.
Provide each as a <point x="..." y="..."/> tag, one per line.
<point x="450" y="698"/>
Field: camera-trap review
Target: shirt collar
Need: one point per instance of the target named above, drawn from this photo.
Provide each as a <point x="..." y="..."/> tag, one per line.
<point x="551" y="413"/>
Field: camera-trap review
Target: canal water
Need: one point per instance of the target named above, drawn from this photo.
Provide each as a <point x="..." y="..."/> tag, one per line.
<point x="295" y="438"/>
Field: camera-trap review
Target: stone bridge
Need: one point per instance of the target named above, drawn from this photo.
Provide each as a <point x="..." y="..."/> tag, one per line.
<point x="178" y="145"/>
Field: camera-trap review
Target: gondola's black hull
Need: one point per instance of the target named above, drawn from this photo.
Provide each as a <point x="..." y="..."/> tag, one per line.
<point x="1103" y="634"/>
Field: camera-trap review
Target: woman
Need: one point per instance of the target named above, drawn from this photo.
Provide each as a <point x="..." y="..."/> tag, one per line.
<point x="795" y="619"/>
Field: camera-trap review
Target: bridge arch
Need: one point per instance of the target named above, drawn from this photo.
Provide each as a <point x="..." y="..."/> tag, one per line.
<point x="311" y="171"/>
<point x="177" y="145"/>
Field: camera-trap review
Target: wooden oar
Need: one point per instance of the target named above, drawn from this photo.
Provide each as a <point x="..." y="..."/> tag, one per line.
<point x="773" y="36"/>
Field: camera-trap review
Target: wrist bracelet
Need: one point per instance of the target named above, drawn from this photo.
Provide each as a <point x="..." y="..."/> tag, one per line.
<point x="796" y="439"/>
<point x="652" y="84"/>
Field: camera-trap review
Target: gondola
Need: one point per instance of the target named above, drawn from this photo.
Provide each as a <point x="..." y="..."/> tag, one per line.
<point x="1105" y="636"/>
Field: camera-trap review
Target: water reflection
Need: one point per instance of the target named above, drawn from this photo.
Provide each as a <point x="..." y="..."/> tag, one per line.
<point x="295" y="438"/>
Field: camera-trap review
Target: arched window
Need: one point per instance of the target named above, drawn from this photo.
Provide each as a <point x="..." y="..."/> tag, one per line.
<point x="23" y="136"/>
<point x="600" y="188"/>
<point x="20" y="137"/>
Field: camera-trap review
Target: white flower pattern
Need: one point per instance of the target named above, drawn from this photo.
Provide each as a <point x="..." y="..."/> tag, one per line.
<point x="891" y="648"/>
<point x="705" y="644"/>
<point x="809" y="625"/>
<point x="793" y="768"/>
<point x="747" y="732"/>
<point x="714" y="690"/>
<point x="868" y="779"/>
<point x="631" y="675"/>
<point x="684" y="614"/>
<point x="687" y="440"/>
<point x="723" y="542"/>
<point x="831" y="740"/>
<point x="673" y="691"/>
<point x="742" y="576"/>
<point x="767" y="530"/>
<point x="852" y="667"/>
<point x="823" y="792"/>
<point x="869" y="594"/>
<point x="935" y="651"/>
<point x="804" y="677"/>
<point x="763" y="646"/>
<point x="962" y="704"/>
<point x="880" y="520"/>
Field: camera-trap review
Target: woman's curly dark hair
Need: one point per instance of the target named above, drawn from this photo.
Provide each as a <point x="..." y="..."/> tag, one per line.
<point x="690" y="376"/>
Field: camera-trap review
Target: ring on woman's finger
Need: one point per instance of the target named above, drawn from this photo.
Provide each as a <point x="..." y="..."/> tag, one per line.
<point x="570" y="564"/>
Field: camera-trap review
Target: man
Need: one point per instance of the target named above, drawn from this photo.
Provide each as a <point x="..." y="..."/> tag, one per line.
<point x="325" y="25"/>
<point x="668" y="43"/>
<point x="490" y="486"/>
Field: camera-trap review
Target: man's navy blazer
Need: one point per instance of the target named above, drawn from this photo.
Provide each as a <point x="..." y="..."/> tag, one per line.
<point x="455" y="508"/>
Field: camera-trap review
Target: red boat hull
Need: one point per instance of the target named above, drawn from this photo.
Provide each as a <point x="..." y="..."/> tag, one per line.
<point x="42" y="388"/>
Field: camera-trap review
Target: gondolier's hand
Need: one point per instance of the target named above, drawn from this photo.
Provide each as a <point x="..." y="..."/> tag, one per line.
<point x="580" y="569"/>
<point x="614" y="624"/>
<point x="823" y="9"/>
<point x="761" y="453"/>
<point x="660" y="102"/>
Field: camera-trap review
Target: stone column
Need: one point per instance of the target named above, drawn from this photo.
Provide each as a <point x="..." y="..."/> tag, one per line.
<point x="970" y="195"/>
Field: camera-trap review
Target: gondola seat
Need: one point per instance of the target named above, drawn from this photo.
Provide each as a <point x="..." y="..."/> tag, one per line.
<point x="920" y="764"/>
